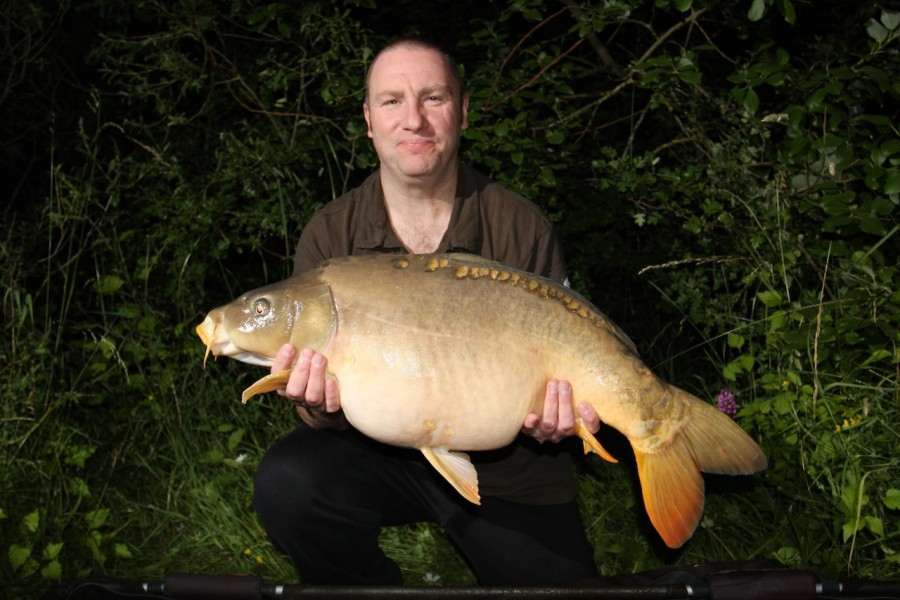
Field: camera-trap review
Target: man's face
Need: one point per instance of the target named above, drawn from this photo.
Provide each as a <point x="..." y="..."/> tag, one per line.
<point x="414" y="112"/>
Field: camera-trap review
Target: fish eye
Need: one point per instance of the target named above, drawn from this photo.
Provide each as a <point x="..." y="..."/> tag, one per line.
<point x="261" y="306"/>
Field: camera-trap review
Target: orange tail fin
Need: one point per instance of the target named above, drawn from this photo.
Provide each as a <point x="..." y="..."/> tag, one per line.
<point x="671" y="482"/>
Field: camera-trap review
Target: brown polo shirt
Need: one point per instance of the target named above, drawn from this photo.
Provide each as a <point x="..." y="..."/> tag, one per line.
<point x="492" y="222"/>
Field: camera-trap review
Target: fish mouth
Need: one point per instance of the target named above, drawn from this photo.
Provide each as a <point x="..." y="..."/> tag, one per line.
<point x="218" y="343"/>
<point x="207" y="332"/>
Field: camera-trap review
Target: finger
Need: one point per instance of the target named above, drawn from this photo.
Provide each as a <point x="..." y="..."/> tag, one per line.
<point x="332" y="396"/>
<point x="283" y="358"/>
<point x="550" y="414"/>
<point x="589" y="416"/>
<point x="566" y="417"/>
<point x="315" y="385"/>
<point x="532" y="420"/>
<point x="296" y="385"/>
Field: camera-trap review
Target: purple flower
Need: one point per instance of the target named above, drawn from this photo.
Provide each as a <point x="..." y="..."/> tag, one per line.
<point x="726" y="402"/>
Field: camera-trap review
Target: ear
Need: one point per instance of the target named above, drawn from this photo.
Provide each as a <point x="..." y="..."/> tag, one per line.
<point x="368" y="118"/>
<point x="464" y="114"/>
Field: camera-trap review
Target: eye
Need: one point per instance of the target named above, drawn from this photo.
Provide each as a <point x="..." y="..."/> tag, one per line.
<point x="261" y="306"/>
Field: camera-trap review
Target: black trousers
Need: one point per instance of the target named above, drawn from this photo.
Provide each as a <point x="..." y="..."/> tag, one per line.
<point x="323" y="496"/>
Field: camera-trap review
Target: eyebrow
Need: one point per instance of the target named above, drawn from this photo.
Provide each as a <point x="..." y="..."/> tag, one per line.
<point x="426" y="91"/>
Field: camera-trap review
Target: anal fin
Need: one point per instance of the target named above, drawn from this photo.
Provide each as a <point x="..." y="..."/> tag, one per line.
<point x="269" y="383"/>
<point x="591" y="444"/>
<point x="457" y="469"/>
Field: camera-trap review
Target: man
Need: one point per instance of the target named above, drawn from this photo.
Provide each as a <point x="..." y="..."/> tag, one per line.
<point x="324" y="491"/>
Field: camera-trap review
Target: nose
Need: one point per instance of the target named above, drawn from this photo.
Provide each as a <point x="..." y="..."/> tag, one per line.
<point x="414" y="116"/>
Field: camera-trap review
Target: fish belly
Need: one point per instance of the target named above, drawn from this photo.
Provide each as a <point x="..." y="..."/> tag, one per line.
<point x="439" y="392"/>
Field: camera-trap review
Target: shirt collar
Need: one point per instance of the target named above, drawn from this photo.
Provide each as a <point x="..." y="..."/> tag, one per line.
<point x="374" y="231"/>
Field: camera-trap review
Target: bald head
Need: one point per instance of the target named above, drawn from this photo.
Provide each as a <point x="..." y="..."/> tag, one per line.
<point x="413" y="43"/>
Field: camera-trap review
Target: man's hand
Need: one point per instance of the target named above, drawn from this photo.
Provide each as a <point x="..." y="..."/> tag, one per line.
<point x="557" y="420"/>
<point x="317" y="398"/>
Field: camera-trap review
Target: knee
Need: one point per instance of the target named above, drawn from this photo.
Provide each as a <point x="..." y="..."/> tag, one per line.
<point x="299" y="472"/>
<point x="287" y="477"/>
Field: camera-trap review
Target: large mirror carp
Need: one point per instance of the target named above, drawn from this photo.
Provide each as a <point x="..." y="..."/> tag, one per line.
<point x="449" y="353"/>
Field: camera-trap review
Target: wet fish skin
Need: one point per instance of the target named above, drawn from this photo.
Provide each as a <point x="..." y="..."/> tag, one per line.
<point x="395" y="329"/>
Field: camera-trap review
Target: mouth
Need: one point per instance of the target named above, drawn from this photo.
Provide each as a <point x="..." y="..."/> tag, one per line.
<point x="218" y="343"/>
<point x="417" y="144"/>
<point x="207" y="332"/>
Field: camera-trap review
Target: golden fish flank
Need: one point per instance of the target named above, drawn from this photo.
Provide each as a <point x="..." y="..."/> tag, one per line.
<point x="448" y="353"/>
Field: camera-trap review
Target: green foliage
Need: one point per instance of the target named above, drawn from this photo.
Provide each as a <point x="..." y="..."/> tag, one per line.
<point x="725" y="180"/>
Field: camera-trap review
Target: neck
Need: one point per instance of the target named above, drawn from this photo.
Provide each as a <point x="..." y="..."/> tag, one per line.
<point x="420" y="213"/>
<point x="437" y="186"/>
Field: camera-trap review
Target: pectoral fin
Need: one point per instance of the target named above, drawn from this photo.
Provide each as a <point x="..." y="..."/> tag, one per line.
<point x="269" y="383"/>
<point x="591" y="444"/>
<point x="457" y="469"/>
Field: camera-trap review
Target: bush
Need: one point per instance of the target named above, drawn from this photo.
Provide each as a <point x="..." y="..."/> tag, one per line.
<point x="725" y="185"/>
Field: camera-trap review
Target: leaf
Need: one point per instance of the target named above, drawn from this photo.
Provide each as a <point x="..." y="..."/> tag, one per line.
<point x="877" y="31"/>
<point x="96" y="518"/>
<point x="122" y="551"/>
<point x="892" y="183"/>
<point x="892" y="499"/>
<point x="890" y="147"/>
<point x="757" y="9"/>
<point x="770" y="298"/>
<point x="109" y="284"/>
<point x="730" y="371"/>
<point x="838" y="204"/>
<point x="77" y="454"/>
<point x="92" y="540"/>
<point x="689" y="76"/>
<point x="803" y="181"/>
<point x="51" y="551"/>
<point x="782" y="405"/>
<point x="18" y="555"/>
<point x="212" y="457"/>
<point x="777" y="320"/>
<point x="852" y="497"/>
<point x="52" y="571"/>
<point x="875" y="525"/>
<point x="546" y="177"/>
<point x="736" y="340"/>
<point x="870" y="223"/>
<point x="787" y="10"/>
<point x="877" y="355"/>
<point x="32" y="521"/>
<point x="814" y="102"/>
<point x="849" y="529"/>
<point x="890" y="19"/>
<point x="284" y="29"/>
<point x="880" y="120"/>
<point x="235" y="438"/>
<point x="790" y="556"/>
<point x="685" y="5"/>
<point x="556" y="137"/>
<point x="751" y="101"/>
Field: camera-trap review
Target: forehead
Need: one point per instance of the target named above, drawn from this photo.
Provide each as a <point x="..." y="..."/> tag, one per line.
<point x="402" y="66"/>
